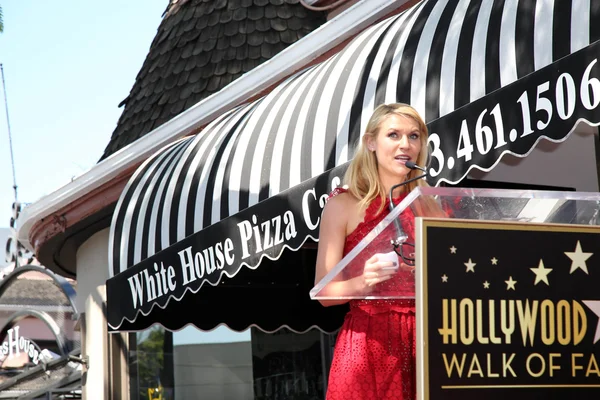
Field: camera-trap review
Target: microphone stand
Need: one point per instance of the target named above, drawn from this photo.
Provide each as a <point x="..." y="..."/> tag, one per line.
<point x="402" y="236"/>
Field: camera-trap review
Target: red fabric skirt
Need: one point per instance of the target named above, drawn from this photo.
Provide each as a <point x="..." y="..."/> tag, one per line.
<point x="374" y="355"/>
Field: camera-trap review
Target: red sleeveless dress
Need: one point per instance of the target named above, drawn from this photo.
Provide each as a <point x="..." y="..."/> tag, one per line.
<point x="374" y="355"/>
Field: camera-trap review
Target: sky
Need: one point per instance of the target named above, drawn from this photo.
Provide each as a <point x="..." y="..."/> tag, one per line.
<point x="67" y="66"/>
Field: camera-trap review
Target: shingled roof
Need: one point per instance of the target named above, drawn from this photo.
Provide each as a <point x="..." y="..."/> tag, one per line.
<point x="33" y="292"/>
<point x="200" y="47"/>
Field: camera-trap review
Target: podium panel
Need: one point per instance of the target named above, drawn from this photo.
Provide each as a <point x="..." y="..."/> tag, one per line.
<point x="508" y="309"/>
<point x="529" y="206"/>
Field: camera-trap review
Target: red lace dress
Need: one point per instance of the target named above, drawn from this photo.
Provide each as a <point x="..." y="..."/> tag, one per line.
<point x="374" y="355"/>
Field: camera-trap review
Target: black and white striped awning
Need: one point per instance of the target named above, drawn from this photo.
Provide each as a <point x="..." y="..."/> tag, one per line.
<point x="490" y="77"/>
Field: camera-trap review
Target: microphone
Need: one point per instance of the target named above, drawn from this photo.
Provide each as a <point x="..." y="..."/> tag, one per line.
<point x="402" y="236"/>
<point x="412" y="165"/>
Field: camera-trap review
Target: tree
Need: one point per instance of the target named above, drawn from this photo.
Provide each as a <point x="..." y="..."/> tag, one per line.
<point x="1" y="23"/>
<point x="150" y="357"/>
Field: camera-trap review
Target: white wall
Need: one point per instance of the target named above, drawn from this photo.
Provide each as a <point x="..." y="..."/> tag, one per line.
<point x="571" y="163"/>
<point x="92" y="267"/>
<point x="214" y="371"/>
<point x="92" y="273"/>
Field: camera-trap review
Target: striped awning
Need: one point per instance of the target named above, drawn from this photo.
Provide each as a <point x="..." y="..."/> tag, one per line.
<point x="489" y="77"/>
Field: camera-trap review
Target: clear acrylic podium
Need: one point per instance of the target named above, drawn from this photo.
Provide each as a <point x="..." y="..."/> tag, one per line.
<point x="578" y="208"/>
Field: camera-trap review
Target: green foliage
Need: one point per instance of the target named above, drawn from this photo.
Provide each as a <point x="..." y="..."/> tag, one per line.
<point x="1" y="23"/>
<point x="150" y="360"/>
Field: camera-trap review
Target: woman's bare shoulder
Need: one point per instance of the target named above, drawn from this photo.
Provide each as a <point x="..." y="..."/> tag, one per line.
<point x="341" y="201"/>
<point x="344" y="209"/>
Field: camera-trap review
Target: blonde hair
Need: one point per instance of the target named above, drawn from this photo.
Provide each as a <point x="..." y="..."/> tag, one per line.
<point x="362" y="175"/>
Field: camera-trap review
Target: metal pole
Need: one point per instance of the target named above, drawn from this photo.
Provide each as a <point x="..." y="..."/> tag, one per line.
<point x="12" y="156"/>
<point x="12" y="159"/>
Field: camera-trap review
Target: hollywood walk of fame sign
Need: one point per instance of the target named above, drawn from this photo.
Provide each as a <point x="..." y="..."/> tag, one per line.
<point x="508" y="309"/>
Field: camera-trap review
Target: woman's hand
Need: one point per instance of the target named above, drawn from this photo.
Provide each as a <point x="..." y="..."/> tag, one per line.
<point x="379" y="268"/>
<point x="407" y="268"/>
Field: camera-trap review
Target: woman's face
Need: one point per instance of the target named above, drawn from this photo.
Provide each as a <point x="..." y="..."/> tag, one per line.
<point x="397" y="141"/>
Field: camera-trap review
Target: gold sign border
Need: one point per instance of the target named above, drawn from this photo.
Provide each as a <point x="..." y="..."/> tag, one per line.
<point x="421" y="295"/>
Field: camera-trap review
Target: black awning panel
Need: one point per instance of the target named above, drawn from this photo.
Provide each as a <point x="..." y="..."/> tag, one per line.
<point x="273" y="296"/>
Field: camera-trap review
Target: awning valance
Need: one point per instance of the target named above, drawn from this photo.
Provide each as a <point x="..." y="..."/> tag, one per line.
<point x="489" y="77"/>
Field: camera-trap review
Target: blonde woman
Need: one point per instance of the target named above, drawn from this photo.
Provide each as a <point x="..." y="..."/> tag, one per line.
<point x="374" y="356"/>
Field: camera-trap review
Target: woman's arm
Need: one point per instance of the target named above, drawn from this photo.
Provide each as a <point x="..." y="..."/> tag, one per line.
<point x="332" y="237"/>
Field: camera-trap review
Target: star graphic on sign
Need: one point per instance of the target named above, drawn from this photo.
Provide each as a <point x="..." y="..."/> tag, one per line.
<point x="541" y="273"/>
<point x="510" y="284"/>
<point x="486" y="285"/>
<point x="594" y="305"/>
<point x="444" y="278"/>
<point x="470" y="266"/>
<point x="453" y="250"/>
<point x="579" y="258"/>
<point x="494" y="261"/>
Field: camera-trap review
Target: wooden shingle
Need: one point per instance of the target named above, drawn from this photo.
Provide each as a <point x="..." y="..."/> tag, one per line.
<point x="200" y="47"/>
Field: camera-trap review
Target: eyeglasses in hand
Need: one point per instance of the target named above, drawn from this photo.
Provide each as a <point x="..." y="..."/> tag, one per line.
<point x="406" y="251"/>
